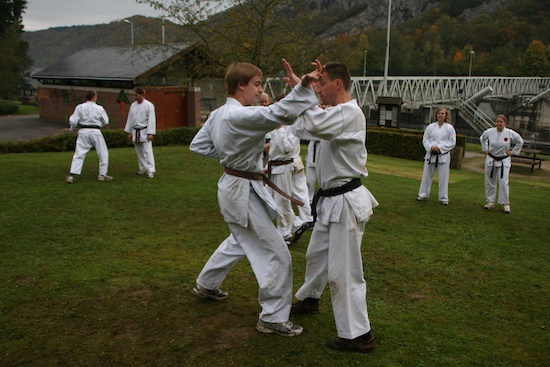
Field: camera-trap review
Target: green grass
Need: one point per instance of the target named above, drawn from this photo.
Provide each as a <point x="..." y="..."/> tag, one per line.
<point x="99" y="273"/>
<point x="25" y="109"/>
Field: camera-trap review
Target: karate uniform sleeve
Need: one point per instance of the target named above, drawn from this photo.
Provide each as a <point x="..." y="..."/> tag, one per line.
<point x="517" y="141"/>
<point x="74" y="118"/>
<point x="103" y="117"/>
<point x="202" y="142"/>
<point x="128" y="127"/>
<point x="151" y="119"/>
<point x="483" y="139"/>
<point x="450" y="142"/>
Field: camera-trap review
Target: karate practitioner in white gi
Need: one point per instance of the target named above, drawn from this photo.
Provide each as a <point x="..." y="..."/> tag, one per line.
<point x="90" y="117"/>
<point x="497" y="143"/>
<point x="343" y="208"/>
<point x="438" y="140"/>
<point x="286" y="169"/>
<point x="235" y="134"/>
<point x="141" y="127"/>
<point x="311" y="158"/>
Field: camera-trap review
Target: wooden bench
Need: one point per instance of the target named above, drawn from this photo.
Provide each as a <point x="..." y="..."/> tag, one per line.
<point x="529" y="157"/>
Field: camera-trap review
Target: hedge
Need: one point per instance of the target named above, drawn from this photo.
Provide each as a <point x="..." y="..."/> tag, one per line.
<point x="381" y="141"/>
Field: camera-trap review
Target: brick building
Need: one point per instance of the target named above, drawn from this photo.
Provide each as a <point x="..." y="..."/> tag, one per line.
<point x="162" y="70"/>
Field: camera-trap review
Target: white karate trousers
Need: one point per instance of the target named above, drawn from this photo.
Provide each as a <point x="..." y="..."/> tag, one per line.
<point x="146" y="159"/>
<point x="334" y="256"/>
<point x="88" y="139"/>
<point x="268" y="255"/>
<point x="293" y="183"/>
<point x="443" y="171"/>
<point x="503" y="185"/>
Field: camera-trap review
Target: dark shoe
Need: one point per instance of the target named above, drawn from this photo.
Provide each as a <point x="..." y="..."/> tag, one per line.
<point x="299" y="232"/>
<point x="307" y="306"/>
<point x="288" y="241"/>
<point x="352" y="345"/>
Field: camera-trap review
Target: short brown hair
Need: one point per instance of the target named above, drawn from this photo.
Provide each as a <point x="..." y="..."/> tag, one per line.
<point x="337" y="70"/>
<point x="139" y="90"/>
<point x="90" y="95"/>
<point x="240" y="73"/>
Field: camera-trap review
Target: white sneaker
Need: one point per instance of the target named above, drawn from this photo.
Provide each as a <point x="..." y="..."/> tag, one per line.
<point x="281" y="328"/>
<point x="215" y="294"/>
<point x="104" y="178"/>
<point x="421" y="198"/>
<point x="69" y="179"/>
<point x="141" y="173"/>
<point x="489" y="206"/>
<point x="506" y="209"/>
<point x="150" y="174"/>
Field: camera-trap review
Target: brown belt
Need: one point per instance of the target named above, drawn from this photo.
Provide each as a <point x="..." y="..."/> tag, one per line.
<point x="260" y="176"/>
<point x="277" y="163"/>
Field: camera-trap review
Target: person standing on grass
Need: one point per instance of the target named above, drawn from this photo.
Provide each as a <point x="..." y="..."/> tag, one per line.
<point x="343" y="207"/>
<point x="235" y="134"/>
<point x="286" y="170"/>
<point x="438" y="140"/>
<point x="499" y="143"/>
<point x="141" y="127"/>
<point x="90" y="117"/>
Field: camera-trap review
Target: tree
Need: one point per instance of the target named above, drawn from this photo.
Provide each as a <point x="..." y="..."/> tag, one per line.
<point x="14" y="60"/>
<point x="256" y="31"/>
<point x="536" y="62"/>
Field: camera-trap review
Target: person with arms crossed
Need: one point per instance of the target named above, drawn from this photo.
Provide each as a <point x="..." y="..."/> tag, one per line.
<point x="343" y="206"/>
<point x="438" y="140"/>
<point x="497" y="144"/>
<point x="141" y="127"/>
<point x="90" y="117"/>
<point x="235" y="135"/>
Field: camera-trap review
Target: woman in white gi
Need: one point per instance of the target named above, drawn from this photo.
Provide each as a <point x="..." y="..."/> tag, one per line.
<point x="499" y="143"/>
<point x="141" y="127"/>
<point x="286" y="170"/>
<point x="90" y="117"/>
<point x="235" y="134"/>
<point x="438" y="140"/>
<point x="343" y="208"/>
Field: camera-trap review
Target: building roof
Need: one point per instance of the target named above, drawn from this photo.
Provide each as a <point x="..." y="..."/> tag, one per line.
<point x="116" y="63"/>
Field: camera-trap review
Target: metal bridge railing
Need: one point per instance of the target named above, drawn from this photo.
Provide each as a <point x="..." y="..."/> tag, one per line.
<point x="416" y="91"/>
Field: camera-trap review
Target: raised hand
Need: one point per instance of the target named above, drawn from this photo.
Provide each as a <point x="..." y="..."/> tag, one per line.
<point x="313" y="76"/>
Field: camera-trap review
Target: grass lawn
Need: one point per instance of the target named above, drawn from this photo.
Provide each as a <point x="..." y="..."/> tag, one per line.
<point x="99" y="273"/>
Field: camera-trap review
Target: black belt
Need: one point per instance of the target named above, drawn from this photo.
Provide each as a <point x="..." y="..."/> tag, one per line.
<point x="138" y="129"/>
<point x="351" y="185"/>
<point x="89" y="127"/>
<point x="436" y="157"/>
<point x="498" y="159"/>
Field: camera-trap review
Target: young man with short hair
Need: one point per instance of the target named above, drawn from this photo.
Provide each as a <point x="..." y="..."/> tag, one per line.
<point x="235" y="134"/>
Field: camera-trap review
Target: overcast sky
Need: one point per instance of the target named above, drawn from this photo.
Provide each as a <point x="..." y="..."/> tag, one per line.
<point x="44" y="14"/>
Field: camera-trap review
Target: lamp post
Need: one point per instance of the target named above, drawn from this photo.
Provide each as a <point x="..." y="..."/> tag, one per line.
<point x="472" y="53"/>
<point x="386" y="64"/>
<point x="365" y="64"/>
<point x="131" y="28"/>
<point x="163" y="31"/>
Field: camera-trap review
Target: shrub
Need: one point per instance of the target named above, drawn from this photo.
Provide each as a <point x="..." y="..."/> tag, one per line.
<point x="8" y="107"/>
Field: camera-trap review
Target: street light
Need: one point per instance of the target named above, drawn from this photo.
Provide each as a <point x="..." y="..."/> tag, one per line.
<point x="365" y="64"/>
<point x="386" y="63"/>
<point x="472" y="53"/>
<point x="132" y="29"/>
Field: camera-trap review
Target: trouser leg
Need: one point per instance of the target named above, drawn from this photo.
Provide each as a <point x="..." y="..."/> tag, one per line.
<point x="443" y="172"/>
<point x="427" y="178"/>
<point x="82" y="147"/>
<point x="270" y="260"/>
<point x="345" y="276"/>
<point x="149" y="157"/>
<point x="226" y="256"/>
<point x="142" y="162"/>
<point x="102" y="154"/>
<point x="316" y="276"/>
<point x="311" y="179"/>
<point x="503" y="186"/>
<point x="300" y="192"/>
<point x="490" y="183"/>
<point x="287" y="217"/>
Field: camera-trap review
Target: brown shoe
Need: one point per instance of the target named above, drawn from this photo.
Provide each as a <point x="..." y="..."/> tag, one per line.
<point x="352" y="345"/>
<point x="307" y="306"/>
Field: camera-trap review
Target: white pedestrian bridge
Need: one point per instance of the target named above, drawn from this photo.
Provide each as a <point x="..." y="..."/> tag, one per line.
<point x="424" y="91"/>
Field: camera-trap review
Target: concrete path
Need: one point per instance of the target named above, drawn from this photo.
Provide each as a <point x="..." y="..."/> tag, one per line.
<point x="28" y="127"/>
